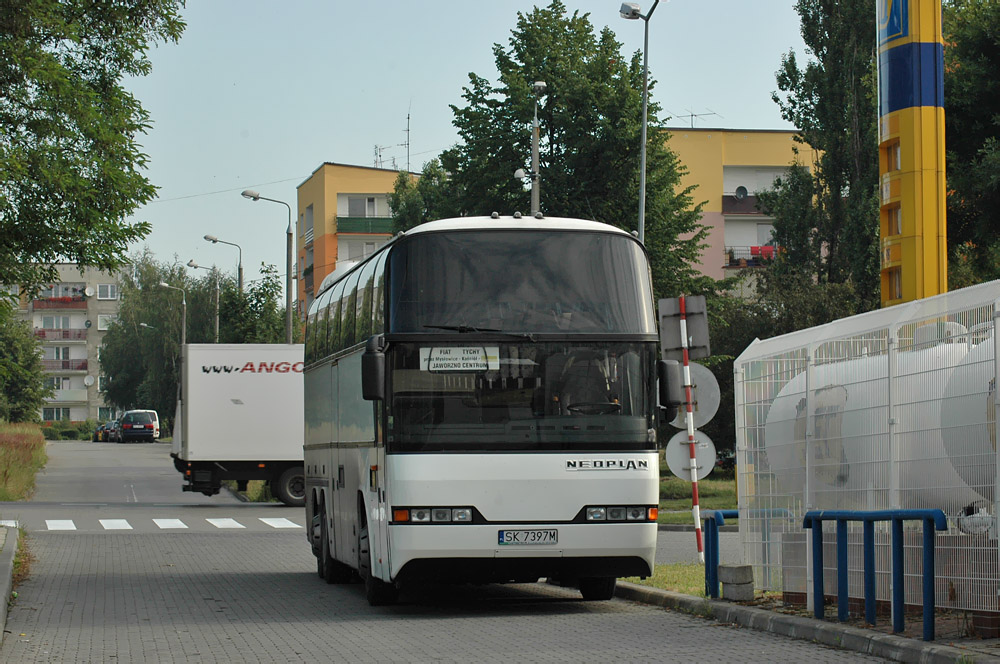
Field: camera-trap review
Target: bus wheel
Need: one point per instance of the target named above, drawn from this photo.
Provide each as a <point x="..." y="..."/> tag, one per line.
<point x="290" y="487"/>
<point x="378" y="592"/>
<point x="330" y="569"/>
<point x="598" y="588"/>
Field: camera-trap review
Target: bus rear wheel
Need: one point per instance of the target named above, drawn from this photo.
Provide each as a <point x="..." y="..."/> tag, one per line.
<point x="598" y="588"/>
<point x="378" y="592"/>
<point x="330" y="569"/>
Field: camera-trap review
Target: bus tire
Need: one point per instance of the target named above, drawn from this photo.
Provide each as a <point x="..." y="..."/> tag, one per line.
<point x="378" y="592"/>
<point x="330" y="569"/>
<point x="290" y="487"/>
<point x="598" y="588"/>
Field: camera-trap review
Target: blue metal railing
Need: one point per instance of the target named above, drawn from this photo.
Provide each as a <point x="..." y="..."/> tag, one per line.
<point x="713" y="520"/>
<point x="931" y="518"/>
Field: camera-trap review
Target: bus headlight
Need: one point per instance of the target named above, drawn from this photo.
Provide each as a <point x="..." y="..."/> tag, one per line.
<point x="436" y="515"/>
<point x="420" y="515"/>
<point x="597" y="514"/>
<point x="619" y="513"/>
<point x="462" y="514"/>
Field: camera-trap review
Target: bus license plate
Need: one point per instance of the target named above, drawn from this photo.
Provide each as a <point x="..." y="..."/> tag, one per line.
<point x="515" y="537"/>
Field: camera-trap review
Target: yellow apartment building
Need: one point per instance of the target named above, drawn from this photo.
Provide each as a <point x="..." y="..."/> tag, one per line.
<point x="343" y="214"/>
<point x="729" y="166"/>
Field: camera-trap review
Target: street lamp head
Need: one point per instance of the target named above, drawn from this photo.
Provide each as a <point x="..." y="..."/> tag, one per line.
<point x="519" y="174"/>
<point x="538" y="87"/>
<point x="251" y="194"/>
<point x="165" y="284"/>
<point x="191" y="263"/>
<point x="148" y="327"/>
<point x="212" y="238"/>
<point x="630" y="10"/>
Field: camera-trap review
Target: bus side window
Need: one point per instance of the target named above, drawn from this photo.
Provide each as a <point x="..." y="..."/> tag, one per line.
<point x="310" y="352"/>
<point x="332" y="320"/>
<point x="378" y="296"/>
<point x="349" y="311"/>
<point x="364" y="302"/>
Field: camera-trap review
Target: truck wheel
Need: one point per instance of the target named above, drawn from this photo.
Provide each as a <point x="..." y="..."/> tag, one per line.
<point x="598" y="588"/>
<point x="378" y="592"/>
<point x="290" y="487"/>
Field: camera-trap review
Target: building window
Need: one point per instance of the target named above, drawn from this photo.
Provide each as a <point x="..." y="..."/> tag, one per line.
<point x="107" y="291"/>
<point x="53" y="414"/>
<point x="765" y="234"/>
<point x="104" y="321"/>
<point x="57" y="382"/>
<point x="104" y="413"/>
<point x="102" y="383"/>
<point x="55" y="322"/>
<point x="57" y="353"/>
<point x="370" y="207"/>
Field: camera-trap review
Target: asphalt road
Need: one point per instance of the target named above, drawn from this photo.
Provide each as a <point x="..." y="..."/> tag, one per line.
<point x="148" y="573"/>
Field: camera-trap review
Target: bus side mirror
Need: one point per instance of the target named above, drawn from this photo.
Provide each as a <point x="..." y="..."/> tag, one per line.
<point x="671" y="387"/>
<point x="373" y="369"/>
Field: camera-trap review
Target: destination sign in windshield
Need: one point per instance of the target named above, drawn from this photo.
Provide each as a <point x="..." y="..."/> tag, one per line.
<point x="460" y="358"/>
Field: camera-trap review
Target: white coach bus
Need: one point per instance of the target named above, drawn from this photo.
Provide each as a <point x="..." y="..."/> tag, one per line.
<point x="480" y="405"/>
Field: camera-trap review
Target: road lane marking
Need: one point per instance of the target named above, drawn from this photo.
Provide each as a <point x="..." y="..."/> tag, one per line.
<point x="279" y="522"/>
<point x="115" y="524"/>
<point x="60" y="524"/>
<point x="225" y="523"/>
<point x="8" y="523"/>
<point x="169" y="523"/>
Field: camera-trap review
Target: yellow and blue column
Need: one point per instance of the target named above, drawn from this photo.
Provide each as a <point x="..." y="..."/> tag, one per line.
<point x="912" y="228"/>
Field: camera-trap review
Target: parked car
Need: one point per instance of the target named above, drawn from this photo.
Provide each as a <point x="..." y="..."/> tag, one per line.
<point x="97" y="434"/>
<point x="137" y="425"/>
<point x="111" y="430"/>
<point x="156" y="420"/>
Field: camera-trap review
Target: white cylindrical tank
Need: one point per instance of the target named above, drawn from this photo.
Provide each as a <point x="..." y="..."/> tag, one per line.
<point x="850" y="450"/>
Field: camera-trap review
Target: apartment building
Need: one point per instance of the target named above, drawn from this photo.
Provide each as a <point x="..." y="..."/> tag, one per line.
<point x="70" y="317"/>
<point x="729" y="166"/>
<point x="343" y="214"/>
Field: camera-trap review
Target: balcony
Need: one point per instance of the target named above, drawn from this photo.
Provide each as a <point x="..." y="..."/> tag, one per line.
<point x="64" y="365"/>
<point x="65" y="396"/>
<point x="376" y="225"/>
<point x="737" y="257"/>
<point x="736" y="205"/>
<point x="76" y="302"/>
<point x="307" y="239"/>
<point x="61" y="335"/>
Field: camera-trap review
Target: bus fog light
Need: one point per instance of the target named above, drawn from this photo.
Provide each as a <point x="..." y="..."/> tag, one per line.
<point x="636" y="513"/>
<point x="462" y="514"/>
<point x="616" y="514"/>
<point x="420" y="515"/>
<point x="441" y="514"/>
<point x="596" y="514"/>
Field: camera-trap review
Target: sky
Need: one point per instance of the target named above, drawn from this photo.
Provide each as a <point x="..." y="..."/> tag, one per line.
<point x="257" y="94"/>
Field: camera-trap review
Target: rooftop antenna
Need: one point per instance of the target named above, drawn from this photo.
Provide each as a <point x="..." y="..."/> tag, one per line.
<point x="692" y="115"/>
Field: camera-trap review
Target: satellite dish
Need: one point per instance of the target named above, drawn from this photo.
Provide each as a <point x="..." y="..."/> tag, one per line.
<point x="678" y="455"/>
<point x="741" y="193"/>
<point x="87" y="324"/>
<point x="89" y="291"/>
<point x="706" y="395"/>
<point x="88" y="380"/>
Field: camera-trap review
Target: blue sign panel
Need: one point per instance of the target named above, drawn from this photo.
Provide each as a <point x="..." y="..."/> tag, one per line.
<point x="893" y="20"/>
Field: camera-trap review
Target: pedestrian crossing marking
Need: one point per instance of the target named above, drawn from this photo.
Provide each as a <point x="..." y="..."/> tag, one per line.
<point x="279" y="522"/>
<point x="169" y="523"/>
<point x="60" y="524"/>
<point x="115" y="524"/>
<point x="8" y="523"/>
<point x="225" y="523"/>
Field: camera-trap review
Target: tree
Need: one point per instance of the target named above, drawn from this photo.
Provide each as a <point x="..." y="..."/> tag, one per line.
<point x="70" y="166"/>
<point x="972" y="129"/>
<point x="141" y="362"/>
<point x="590" y="117"/>
<point x="419" y="200"/>
<point x="22" y="380"/>
<point x="827" y="225"/>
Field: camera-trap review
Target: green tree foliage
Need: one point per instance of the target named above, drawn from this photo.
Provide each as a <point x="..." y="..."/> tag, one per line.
<point x="972" y="129"/>
<point x="827" y="224"/>
<point x="70" y="164"/>
<point x="418" y="200"/>
<point x="22" y="380"/>
<point x="590" y="117"/>
<point x="142" y="363"/>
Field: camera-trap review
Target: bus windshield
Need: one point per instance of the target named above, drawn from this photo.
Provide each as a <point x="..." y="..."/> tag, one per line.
<point x="458" y="395"/>
<point x="514" y="281"/>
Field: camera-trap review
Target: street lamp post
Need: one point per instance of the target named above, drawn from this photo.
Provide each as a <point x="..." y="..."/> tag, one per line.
<point x="184" y="312"/>
<point x="213" y="240"/>
<point x="255" y="196"/>
<point x="630" y="10"/>
<point x="192" y="263"/>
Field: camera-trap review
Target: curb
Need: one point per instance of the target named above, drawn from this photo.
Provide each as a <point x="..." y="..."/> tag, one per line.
<point x="7" y="554"/>
<point x="887" y="646"/>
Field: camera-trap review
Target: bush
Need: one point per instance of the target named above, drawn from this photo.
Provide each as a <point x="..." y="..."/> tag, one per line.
<point x="69" y="434"/>
<point x="50" y="433"/>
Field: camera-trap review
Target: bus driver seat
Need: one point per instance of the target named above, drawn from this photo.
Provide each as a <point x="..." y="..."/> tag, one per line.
<point x="583" y="386"/>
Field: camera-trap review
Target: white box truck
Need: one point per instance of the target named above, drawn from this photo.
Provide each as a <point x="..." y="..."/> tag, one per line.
<point x="239" y="417"/>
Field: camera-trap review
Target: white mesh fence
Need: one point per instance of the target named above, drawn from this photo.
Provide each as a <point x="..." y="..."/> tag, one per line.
<point x="893" y="409"/>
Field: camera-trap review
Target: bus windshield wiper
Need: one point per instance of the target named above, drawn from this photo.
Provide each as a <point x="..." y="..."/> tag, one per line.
<point x="463" y="329"/>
